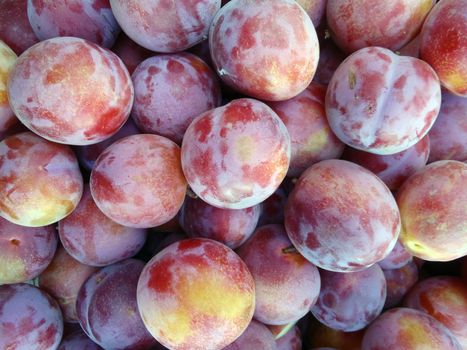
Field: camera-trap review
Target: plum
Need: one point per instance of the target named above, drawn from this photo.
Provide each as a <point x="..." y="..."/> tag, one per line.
<point x="256" y="336"/>
<point x="78" y="341"/>
<point x="398" y="257"/>
<point x="130" y="52"/>
<point x="315" y="9"/>
<point x="398" y="282"/>
<point x="318" y="335"/>
<point x="292" y="340"/>
<point x="7" y="61"/>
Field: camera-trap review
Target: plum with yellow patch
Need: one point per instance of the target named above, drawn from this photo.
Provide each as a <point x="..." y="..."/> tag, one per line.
<point x="444" y="298"/>
<point x="408" y="329"/>
<point x="138" y="181"/>
<point x="237" y="155"/>
<point x="24" y="251"/>
<point x="78" y="104"/>
<point x="287" y="285"/>
<point x="196" y="294"/>
<point x="40" y="181"/>
<point x="263" y="55"/>
<point x="7" y="61"/>
<point x="433" y="204"/>
<point x="443" y="44"/>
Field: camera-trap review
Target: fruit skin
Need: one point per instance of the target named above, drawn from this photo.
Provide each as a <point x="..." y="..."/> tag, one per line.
<point x="78" y="341"/>
<point x="397" y="258"/>
<point x="443" y="44"/>
<point x="398" y="282"/>
<point x="316" y="9"/>
<point x="263" y="55"/>
<point x="292" y="340"/>
<point x="318" y="335"/>
<point x="355" y="24"/>
<point x="78" y="104"/>
<point x="370" y="94"/>
<point x="256" y="336"/>
<point x="341" y="217"/>
<point x="196" y="294"/>
<point x="7" y="61"/>
<point x="40" y="181"/>
<point x="432" y="204"/>
<point x="163" y="26"/>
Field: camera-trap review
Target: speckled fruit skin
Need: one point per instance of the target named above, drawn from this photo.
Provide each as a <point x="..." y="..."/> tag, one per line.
<point x="444" y="298"/>
<point x="398" y="283"/>
<point x="24" y="251"/>
<point x="15" y="29"/>
<point x="138" y="181"/>
<point x="370" y="94"/>
<point x="341" y="217"/>
<point x="292" y="340"/>
<point x="448" y="135"/>
<point x="432" y="204"/>
<point x="408" y="329"/>
<point x="237" y="155"/>
<point x="7" y="61"/>
<point x="311" y="137"/>
<point x="261" y="54"/>
<point x="395" y="168"/>
<point x="78" y="341"/>
<point x="287" y="285"/>
<point x="256" y="336"/>
<point x="196" y="294"/>
<point x="130" y="52"/>
<point x="107" y="309"/>
<point x="87" y="19"/>
<point x="229" y="226"/>
<point x="443" y="44"/>
<point x="77" y="104"/>
<point x="62" y="279"/>
<point x="165" y="26"/>
<point x="40" y="181"/>
<point x="356" y="24"/>
<point x="94" y="239"/>
<point x="28" y="316"/>
<point x="397" y="258"/>
<point x="171" y="91"/>
<point x="350" y="301"/>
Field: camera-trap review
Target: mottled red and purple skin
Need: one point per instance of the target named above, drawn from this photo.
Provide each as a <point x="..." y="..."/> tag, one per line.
<point x="7" y="61"/>
<point x="263" y="55"/>
<point x="87" y="19"/>
<point x="444" y="298"/>
<point x="443" y="44"/>
<point x="316" y="9"/>
<point x="350" y="301"/>
<point x="171" y="91"/>
<point x="330" y="57"/>
<point x="342" y="217"/>
<point x="256" y="336"/>
<point x="398" y="283"/>
<point x="395" y="168"/>
<point x="398" y="257"/>
<point x="292" y="340"/>
<point x="24" y="251"/>
<point x="287" y="285"/>
<point x="107" y="308"/>
<point x="15" y="29"/>
<point x="231" y="227"/>
<point x="408" y="329"/>
<point x="196" y="294"/>
<point x="62" y="279"/>
<point x="130" y="52"/>
<point x="432" y="204"/>
<point x="165" y="26"/>
<point x="311" y="137"/>
<point x="357" y="24"/>
<point x="87" y="155"/>
<point x="371" y="95"/>
<point x="138" y="181"/>
<point x="237" y="155"/>
<point x="40" y="181"/>
<point x="78" y="341"/>
<point x="448" y="135"/>
<point x="318" y="335"/>
<point x="28" y="316"/>
<point x="93" y="239"/>
<point x="78" y="104"/>
<point x="272" y="208"/>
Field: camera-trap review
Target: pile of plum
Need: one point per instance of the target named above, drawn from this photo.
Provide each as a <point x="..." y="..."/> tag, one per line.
<point x="244" y="174"/>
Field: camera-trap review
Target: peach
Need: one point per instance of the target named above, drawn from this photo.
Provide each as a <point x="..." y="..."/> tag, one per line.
<point x="165" y="26"/>
<point x="40" y="181"/>
<point x="398" y="282"/>
<point x="7" y="61"/>
<point x="370" y="94"/>
<point x="432" y="204"/>
<point x="356" y="24"/>
<point x="443" y="44"/>
<point x="341" y="217"/>
<point x="196" y="294"/>
<point x="24" y="251"/>
<point x="256" y="336"/>
<point x="78" y="104"/>
<point x="263" y="55"/>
